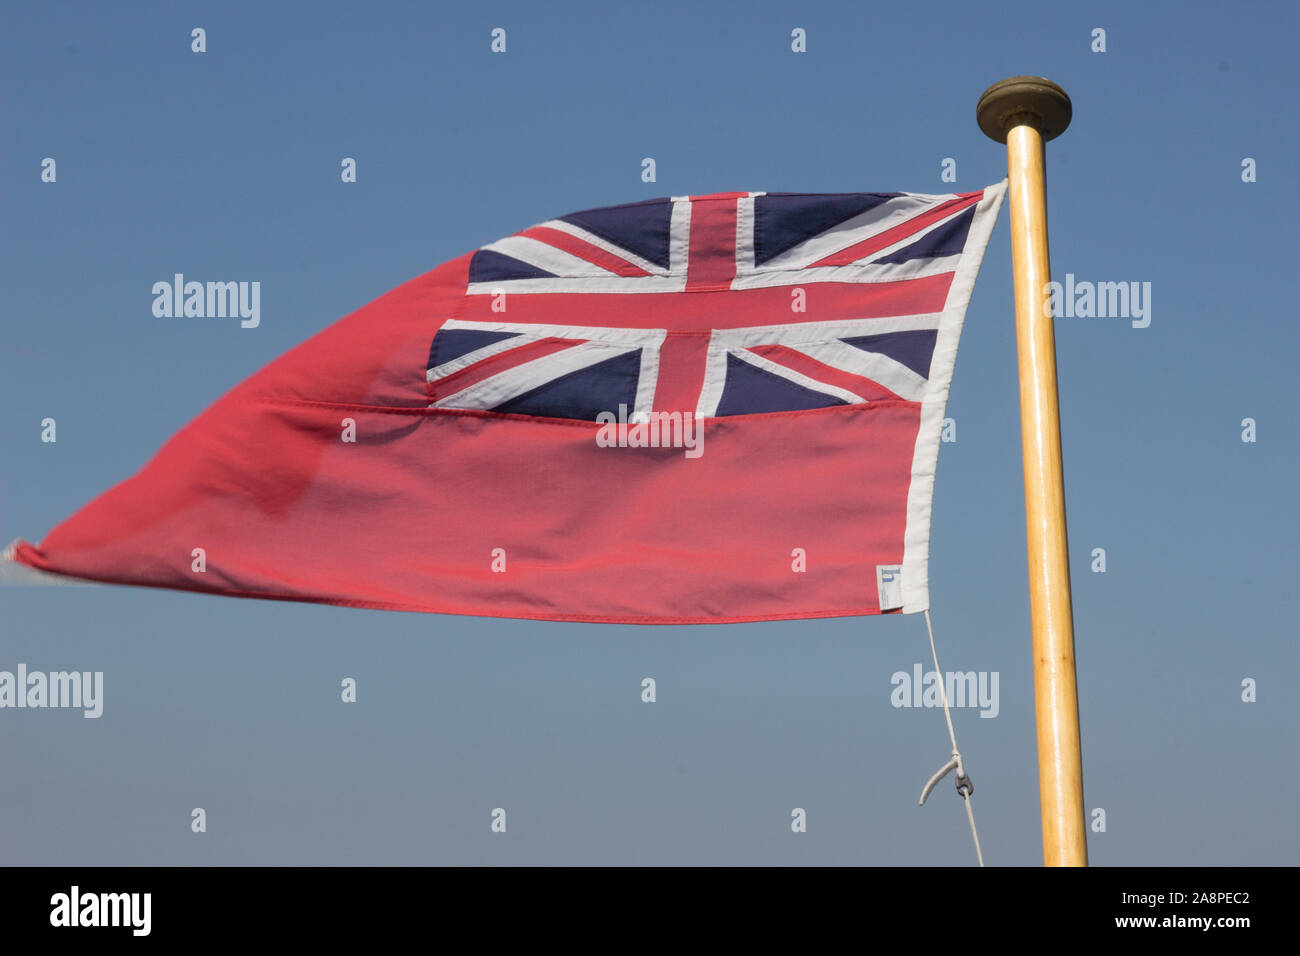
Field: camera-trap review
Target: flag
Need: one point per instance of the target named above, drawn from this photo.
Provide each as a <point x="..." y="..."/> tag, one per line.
<point x="698" y="409"/>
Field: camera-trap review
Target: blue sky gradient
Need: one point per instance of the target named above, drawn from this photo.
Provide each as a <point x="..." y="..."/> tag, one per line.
<point x="225" y="165"/>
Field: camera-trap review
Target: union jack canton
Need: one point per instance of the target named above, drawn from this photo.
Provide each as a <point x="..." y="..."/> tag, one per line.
<point x="862" y="280"/>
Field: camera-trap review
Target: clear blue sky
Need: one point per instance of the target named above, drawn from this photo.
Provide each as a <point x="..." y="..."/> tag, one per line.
<point x="226" y="165"/>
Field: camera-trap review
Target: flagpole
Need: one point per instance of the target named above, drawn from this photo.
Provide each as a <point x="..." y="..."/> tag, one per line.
<point x="1025" y="112"/>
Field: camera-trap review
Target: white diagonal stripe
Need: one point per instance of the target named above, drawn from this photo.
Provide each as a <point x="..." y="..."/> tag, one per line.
<point x="790" y="375"/>
<point x="798" y="334"/>
<point x="865" y="272"/>
<point x="878" y="219"/>
<point x="915" y="237"/>
<point x="478" y="355"/>
<point x="894" y="375"/>
<point x="503" y="386"/>
<point x="609" y="336"/>
<point x="546" y="257"/>
<point x="579" y="233"/>
<point x="609" y="282"/>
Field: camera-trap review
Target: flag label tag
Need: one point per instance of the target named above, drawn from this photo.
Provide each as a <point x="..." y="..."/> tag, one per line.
<point x="889" y="586"/>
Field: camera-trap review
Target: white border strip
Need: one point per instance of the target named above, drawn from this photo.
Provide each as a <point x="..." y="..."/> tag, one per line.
<point x="920" y="492"/>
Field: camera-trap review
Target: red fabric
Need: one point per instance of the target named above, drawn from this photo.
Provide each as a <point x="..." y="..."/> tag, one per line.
<point x="681" y="370"/>
<point x="713" y="242"/>
<point x="408" y="517"/>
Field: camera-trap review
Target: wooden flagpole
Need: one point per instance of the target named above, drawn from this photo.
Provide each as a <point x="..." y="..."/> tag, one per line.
<point x="1025" y="112"/>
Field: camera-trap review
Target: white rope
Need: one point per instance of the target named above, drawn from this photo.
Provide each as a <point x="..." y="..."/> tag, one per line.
<point x="956" y="754"/>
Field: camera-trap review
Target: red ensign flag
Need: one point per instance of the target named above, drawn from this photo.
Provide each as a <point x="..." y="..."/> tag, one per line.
<point x="689" y="410"/>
